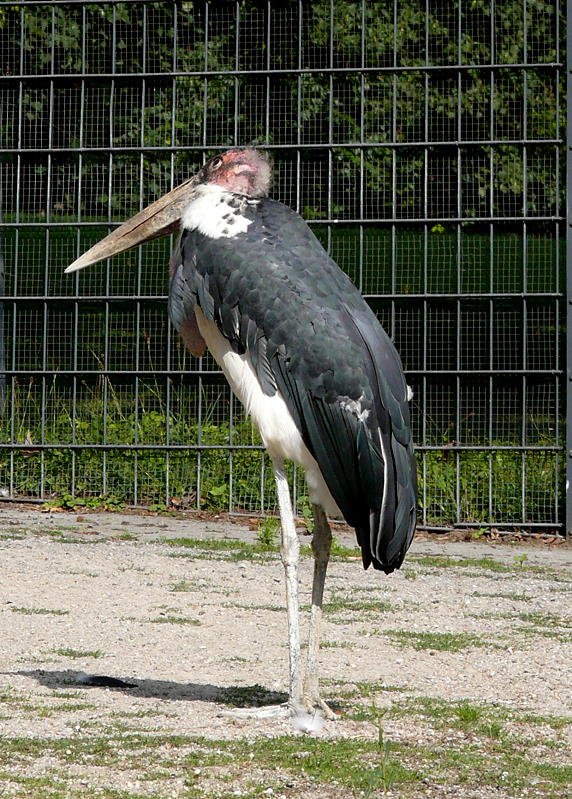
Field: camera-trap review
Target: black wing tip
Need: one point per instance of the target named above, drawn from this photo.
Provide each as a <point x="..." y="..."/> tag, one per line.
<point x="391" y="545"/>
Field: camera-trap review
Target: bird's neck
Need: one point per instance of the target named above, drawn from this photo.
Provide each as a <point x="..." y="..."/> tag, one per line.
<point x="217" y="213"/>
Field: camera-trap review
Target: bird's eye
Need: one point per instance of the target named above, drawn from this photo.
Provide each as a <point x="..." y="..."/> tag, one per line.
<point x="216" y="163"/>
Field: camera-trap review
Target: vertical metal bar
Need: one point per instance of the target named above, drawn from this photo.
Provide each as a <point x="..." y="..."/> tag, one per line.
<point x="490" y="405"/>
<point x="568" y="528"/>
<point x="168" y="341"/>
<point x="2" y="296"/>
<point x="299" y="107"/>
<point x="137" y="326"/>
<point x="262" y="486"/>
<point x="199" y="434"/>
<point x="458" y="379"/>
<point x="237" y="67"/>
<point x="205" y="82"/>
<point x="231" y="401"/>
<point x="268" y="46"/>
<point x="524" y="269"/>
<point x="524" y="390"/>
<point x="76" y="327"/>
<point x="175" y="37"/>
<point x="362" y="151"/>
<point x="330" y="128"/>
<point x="105" y="379"/>
<point x="559" y="384"/>
<point x="15" y="307"/>
<point x="47" y="254"/>
<point x="491" y="309"/>
<point x="491" y="379"/>
<point x="199" y="384"/>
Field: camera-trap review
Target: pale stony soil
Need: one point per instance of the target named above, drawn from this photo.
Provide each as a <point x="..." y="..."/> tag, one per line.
<point x="103" y="594"/>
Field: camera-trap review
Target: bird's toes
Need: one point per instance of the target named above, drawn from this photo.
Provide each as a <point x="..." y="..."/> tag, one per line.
<point x="313" y="703"/>
<point x="265" y="712"/>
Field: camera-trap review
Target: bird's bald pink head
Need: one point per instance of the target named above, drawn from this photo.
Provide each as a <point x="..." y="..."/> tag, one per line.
<point x="243" y="171"/>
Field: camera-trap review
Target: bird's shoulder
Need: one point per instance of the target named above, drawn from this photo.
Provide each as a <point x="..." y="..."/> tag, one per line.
<point x="272" y="286"/>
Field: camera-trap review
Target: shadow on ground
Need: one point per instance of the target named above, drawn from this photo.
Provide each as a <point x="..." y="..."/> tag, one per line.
<point x="233" y="695"/>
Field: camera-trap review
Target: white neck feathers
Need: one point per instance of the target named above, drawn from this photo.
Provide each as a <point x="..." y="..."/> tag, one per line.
<point x="213" y="215"/>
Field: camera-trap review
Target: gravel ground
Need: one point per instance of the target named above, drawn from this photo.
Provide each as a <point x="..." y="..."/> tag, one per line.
<point x="105" y="594"/>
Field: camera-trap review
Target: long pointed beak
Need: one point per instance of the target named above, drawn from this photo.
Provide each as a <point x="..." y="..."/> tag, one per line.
<point x="158" y="219"/>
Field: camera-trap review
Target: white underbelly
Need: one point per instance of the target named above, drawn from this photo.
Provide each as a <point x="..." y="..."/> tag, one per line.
<point x="271" y="416"/>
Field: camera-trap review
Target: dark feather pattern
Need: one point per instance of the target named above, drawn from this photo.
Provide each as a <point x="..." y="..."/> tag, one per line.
<point x="274" y="293"/>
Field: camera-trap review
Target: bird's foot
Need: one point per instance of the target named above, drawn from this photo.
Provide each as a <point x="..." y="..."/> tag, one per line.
<point x="281" y="711"/>
<point x="313" y="703"/>
<point x="306" y="715"/>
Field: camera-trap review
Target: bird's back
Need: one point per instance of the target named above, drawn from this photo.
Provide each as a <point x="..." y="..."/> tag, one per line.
<point x="275" y="294"/>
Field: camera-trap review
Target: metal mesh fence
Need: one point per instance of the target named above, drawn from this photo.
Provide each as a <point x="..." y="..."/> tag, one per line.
<point x="424" y="144"/>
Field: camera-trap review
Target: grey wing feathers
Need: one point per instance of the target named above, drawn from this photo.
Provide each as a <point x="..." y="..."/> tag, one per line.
<point x="275" y="294"/>
<point x="392" y="522"/>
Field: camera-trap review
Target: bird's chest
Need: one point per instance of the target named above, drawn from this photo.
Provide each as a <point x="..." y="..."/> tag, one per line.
<point x="270" y="414"/>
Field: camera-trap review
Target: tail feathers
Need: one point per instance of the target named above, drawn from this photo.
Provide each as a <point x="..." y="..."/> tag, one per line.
<point x="386" y="534"/>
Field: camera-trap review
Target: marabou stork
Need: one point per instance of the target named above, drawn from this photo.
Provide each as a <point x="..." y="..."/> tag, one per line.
<point x="306" y="356"/>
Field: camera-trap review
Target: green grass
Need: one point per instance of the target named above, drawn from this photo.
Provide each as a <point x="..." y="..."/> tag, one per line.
<point x="480" y="744"/>
<point x="172" y="619"/>
<point x="126" y="537"/>
<point x="472" y="745"/>
<point x="67" y="652"/>
<point x="341" y="604"/>
<point x="547" y="625"/>
<point x="39" y="611"/>
<point x="546" y="620"/>
<point x="513" y="596"/>
<point x="12" y="701"/>
<point x="337" y="645"/>
<point x="485" y="563"/>
<point x="454" y="745"/>
<point x="265" y="607"/>
<point x="13" y="536"/>
<point x="229" y="548"/>
<point x="250" y="696"/>
<point x="438" y="642"/>
<point x="182" y="586"/>
<point x="66" y="537"/>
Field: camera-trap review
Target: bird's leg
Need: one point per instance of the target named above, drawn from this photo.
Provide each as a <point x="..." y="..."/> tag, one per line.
<point x="321" y="545"/>
<point x="290" y="551"/>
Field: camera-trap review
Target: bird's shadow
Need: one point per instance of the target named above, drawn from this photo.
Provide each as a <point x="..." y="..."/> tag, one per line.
<point x="233" y="695"/>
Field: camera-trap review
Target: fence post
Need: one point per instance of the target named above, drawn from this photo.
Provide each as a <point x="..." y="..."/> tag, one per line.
<point x="569" y="270"/>
<point x="2" y="295"/>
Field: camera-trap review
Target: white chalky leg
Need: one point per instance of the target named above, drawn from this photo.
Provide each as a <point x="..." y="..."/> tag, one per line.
<point x="290" y="550"/>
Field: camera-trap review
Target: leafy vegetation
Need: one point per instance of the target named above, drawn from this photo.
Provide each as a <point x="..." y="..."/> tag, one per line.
<point x="213" y="108"/>
<point x="424" y="142"/>
<point x="198" y="474"/>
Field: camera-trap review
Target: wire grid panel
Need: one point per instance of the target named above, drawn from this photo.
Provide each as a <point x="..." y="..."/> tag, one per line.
<point x="423" y="143"/>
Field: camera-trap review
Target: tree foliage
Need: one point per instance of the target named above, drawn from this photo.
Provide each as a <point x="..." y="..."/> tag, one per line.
<point x="401" y="129"/>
